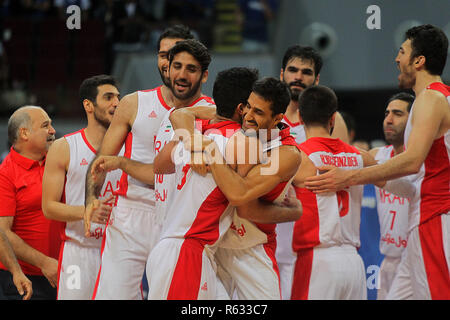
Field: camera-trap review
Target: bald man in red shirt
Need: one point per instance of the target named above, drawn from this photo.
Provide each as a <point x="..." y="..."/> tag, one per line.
<point x="33" y="238"/>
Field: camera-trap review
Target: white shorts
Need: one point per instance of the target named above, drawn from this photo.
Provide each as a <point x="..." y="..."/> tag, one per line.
<point x="78" y="268"/>
<point x="428" y="254"/>
<point x="388" y="270"/>
<point x="285" y="257"/>
<point x="180" y="269"/>
<point x="130" y="236"/>
<point x="252" y="272"/>
<point x="401" y="287"/>
<point x="334" y="273"/>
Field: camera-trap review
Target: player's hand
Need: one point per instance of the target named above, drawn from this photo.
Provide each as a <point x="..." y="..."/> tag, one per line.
<point x="50" y="271"/>
<point x="88" y="213"/>
<point x="198" y="164"/>
<point x="104" y="164"/>
<point x="101" y="213"/>
<point x="330" y="179"/>
<point x="23" y="285"/>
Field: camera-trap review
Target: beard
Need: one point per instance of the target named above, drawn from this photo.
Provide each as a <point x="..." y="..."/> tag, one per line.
<point x="295" y="92"/>
<point x="104" y="122"/>
<point x="406" y="79"/>
<point x="189" y="93"/>
<point x="165" y="80"/>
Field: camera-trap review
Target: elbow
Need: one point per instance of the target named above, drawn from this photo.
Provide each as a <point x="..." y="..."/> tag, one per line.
<point x="236" y="201"/>
<point x="47" y="212"/>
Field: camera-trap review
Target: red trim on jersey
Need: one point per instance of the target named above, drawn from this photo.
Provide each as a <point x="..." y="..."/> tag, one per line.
<point x="332" y="145"/>
<point x="161" y="99"/>
<point x="71" y="134"/>
<point x="306" y="229"/>
<point x="186" y="278"/>
<point x="225" y="128"/>
<point x="302" y="274"/>
<point x="437" y="270"/>
<point x="83" y="135"/>
<point x="123" y="184"/>
<point x="439" y="86"/>
<point x="291" y="124"/>
<point x="434" y="191"/>
<point x="206" y="98"/>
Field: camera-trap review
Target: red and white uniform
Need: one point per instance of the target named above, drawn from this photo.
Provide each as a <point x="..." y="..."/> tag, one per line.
<point x="79" y="255"/>
<point x="284" y="254"/>
<point x="165" y="183"/>
<point x="181" y="264"/>
<point x="133" y="229"/>
<point x="428" y="247"/>
<point x="246" y="255"/>
<point x="393" y="214"/>
<point x="326" y="237"/>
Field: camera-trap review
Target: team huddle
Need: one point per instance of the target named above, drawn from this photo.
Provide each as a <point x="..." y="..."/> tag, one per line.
<point x="253" y="193"/>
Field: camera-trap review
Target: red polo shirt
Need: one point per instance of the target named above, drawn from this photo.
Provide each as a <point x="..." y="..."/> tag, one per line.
<point x="21" y="197"/>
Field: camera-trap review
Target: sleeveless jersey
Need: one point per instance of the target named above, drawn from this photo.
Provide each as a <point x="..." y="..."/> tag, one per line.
<point x="81" y="155"/>
<point x="140" y="143"/>
<point x="164" y="183"/>
<point x="245" y="234"/>
<point x="393" y="212"/>
<point x="198" y="209"/>
<point x="329" y="219"/>
<point x="433" y="179"/>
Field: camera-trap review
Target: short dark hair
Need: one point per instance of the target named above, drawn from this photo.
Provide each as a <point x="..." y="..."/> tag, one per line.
<point x="195" y="48"/>
<point x="304" y="53"/>
<point x="232" y="87"/>
<point x="403" y="96"/>
<point x="317" y="104"/>
<point x="432" y="43"/>
<point x="274" y="91"/>
<point x="177" y="31"/>
<point x="89" y="87"/>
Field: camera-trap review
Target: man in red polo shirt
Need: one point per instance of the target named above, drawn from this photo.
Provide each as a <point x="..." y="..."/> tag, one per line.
<point x="33" y="238"/>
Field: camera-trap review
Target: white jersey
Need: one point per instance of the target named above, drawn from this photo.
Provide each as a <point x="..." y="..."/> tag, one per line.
<point x="393" y="213"/>
<point x="198" y="209"/>
<point x="165" y="183"/>
<point x="433" y="179"/>
<point x="140" y="143"/>
<point x="297" y="130"/>
<point x="245" y="234"/>
<point x="330" y="219"/>
<point x="81" y="155"/>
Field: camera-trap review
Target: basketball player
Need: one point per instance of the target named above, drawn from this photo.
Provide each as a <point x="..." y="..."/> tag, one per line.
<point x="392" y="210"/>
<point x="64" y="185"/>
<point x="135" y="227"/>
<point x="196" y="223"/>
<point x="421" y="60"/>
<point x="300" y="69"/>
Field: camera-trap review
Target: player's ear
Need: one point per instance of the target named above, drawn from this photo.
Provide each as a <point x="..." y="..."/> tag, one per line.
<point x="316" y="81"/>
<point x="88" y="105"/>
<point x="332" y="121"/>
<point x="205" y="76"/>
<point x="281" y="74"/>
<point x="278" y="118"/>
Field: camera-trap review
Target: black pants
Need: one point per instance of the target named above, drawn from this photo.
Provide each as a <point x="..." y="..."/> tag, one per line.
<point x="42" y="290"/>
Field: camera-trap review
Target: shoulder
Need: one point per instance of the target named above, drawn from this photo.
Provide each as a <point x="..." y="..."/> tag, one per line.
<point x="58" y="152"/>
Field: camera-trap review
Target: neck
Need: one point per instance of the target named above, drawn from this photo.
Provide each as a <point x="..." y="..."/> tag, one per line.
<point x="94" y="134"/>
<point x="398" y="149"/>
<point x="218" y="119"/>
<point x="423" y="80"/>
<point x="292" y="113"/>
<point x="173" y="101"/>
<point x="317" y="131"/>
<point x="30" y="154"/>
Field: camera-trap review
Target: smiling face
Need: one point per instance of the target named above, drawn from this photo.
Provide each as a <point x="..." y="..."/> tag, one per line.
<point x="407" y="76"/>
<point x="298" y="75"/>
<point x="163" y="58"/>
<point x="186" y="76"/>
<point x="395" y="119"/>
<point x="257" y="114"/>
<point x="41" y="133"/>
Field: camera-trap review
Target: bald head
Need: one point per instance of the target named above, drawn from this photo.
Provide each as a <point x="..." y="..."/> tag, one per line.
<point x="21" y="118"/>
